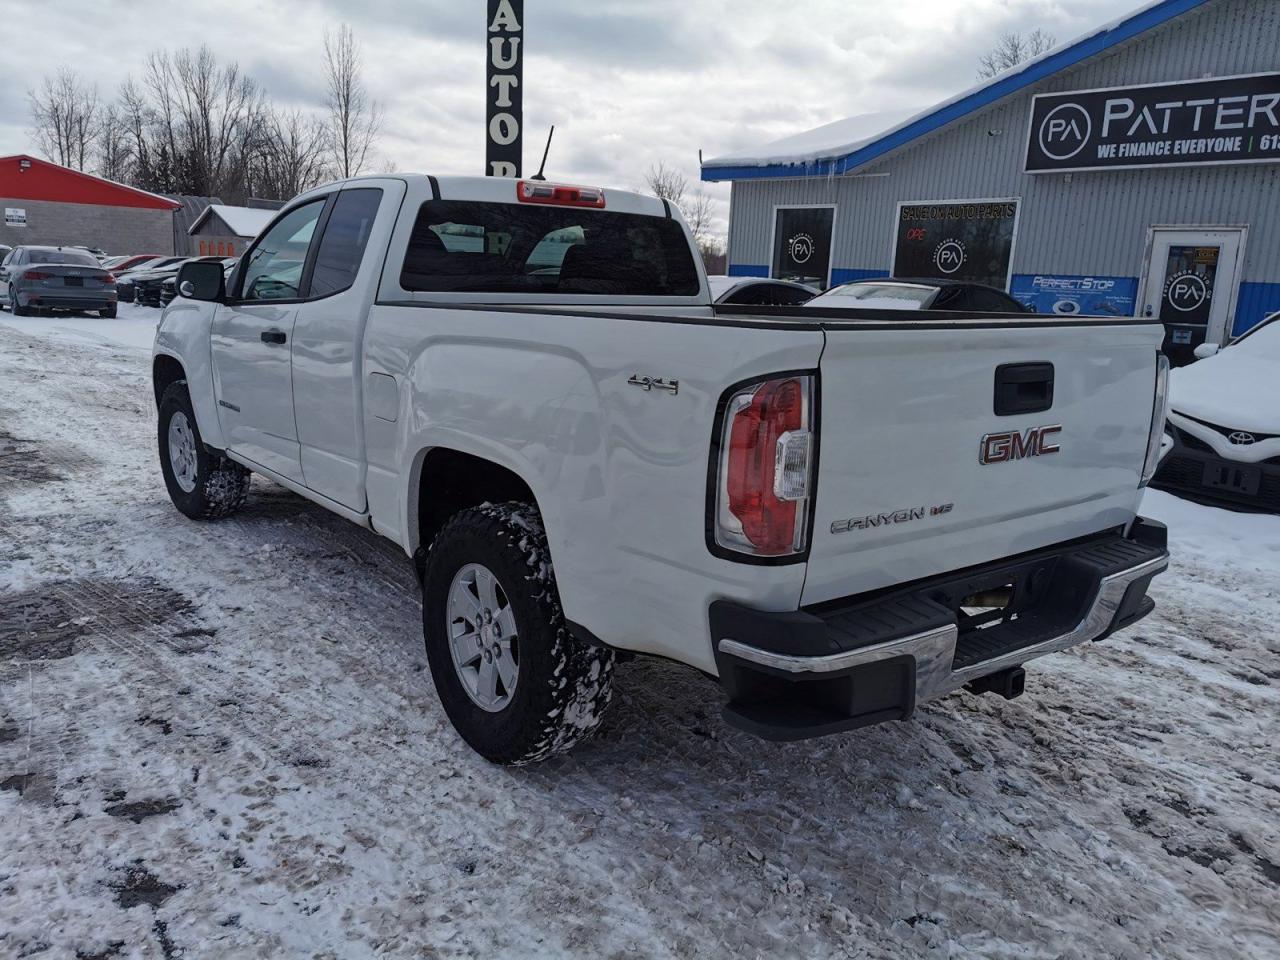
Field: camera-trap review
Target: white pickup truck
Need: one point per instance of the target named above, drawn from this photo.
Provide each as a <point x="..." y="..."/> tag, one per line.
<point x="838" y="513"/>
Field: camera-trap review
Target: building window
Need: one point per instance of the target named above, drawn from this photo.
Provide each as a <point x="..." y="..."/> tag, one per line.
<point x="802" y="244"/>
<point x="969" y="240"/>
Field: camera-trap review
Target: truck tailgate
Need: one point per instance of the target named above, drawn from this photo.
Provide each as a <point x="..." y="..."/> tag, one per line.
<point x="906" y="411"/>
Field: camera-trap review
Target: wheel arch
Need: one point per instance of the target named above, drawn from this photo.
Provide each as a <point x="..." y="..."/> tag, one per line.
<point x="166" y="370"/>
<point x="447" y="479"/>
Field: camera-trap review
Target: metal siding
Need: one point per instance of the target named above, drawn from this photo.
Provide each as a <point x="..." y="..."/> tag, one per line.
<point x="1093" y="223"/>
<point x="117" y="230"/>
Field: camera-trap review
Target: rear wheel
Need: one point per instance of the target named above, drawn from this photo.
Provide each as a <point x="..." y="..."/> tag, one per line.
<point x="515" y="683"/>
<point x="18" y="309"/>
<point x="108" y="312"/>
<point x="201" y="484"/>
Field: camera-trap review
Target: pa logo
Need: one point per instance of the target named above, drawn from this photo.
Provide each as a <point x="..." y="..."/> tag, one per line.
<point x="800" y="248"/>
<point x="949" y="256"/>
<point x="1187" y="291"/>
<point x="1065" y="131"/>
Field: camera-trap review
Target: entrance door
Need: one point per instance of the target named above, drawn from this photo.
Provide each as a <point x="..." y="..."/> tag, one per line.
<point x="1190" y="287"/>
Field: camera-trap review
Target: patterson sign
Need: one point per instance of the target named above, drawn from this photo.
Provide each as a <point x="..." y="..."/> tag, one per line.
<point x="505" y="114"/>
<point x="1224" y="120"/>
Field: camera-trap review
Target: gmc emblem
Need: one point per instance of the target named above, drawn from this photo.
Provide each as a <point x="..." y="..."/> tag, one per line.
<point x="1003" y="447"/>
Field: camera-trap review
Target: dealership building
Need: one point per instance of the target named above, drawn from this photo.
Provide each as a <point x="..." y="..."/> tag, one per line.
<point x="1134" y="172"/>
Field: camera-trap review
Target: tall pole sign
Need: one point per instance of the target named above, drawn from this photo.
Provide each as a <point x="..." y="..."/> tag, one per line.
<point x="505" y="114"/>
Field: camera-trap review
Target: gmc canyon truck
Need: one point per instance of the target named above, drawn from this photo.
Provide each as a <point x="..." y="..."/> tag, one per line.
<point x="840" y="514"/>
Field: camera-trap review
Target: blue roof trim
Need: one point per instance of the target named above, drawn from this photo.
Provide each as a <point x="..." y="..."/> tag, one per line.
<point x="1065" y="58"/>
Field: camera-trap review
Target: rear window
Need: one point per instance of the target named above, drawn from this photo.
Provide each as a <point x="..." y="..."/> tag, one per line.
<point x="77" y="257"/>
<point x="463" y="246"/>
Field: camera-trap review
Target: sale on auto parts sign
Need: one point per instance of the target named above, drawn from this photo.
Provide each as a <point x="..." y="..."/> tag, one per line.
<point x="1222" y="120"/>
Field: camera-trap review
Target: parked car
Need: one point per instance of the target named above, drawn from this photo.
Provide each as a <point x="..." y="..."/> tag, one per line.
<point x="46" y="279"/>
<point x="760" y="291"/>
<point x="96" y="252"/>
<point x="586" y="457"/>
<point x="894" y="293"/>
<point x="134" y="261"/>
<point x="127" y="281"/>
<point x="1223" y="434"/>
<point x="147" y="283"/>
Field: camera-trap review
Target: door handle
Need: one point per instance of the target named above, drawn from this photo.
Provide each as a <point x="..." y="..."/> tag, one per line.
<point x="1023" y="388"/>
<point x="273" y="336"/>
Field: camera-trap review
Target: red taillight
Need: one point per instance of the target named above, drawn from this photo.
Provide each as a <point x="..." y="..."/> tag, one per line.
<point x="559" y="194"/>
<point x="764" y="468"/>
<point x="109" y="278"/>
<point x="37" y="275"/>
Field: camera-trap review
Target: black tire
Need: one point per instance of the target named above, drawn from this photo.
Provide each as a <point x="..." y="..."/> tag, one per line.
<point x="16" y="308"/>
<point x="563" y="685"/>
<point x="108" y="312"/>
<point x="220" y="485"/>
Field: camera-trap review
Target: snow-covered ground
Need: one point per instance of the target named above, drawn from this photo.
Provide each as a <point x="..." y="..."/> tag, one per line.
<point x="221" y="741"/>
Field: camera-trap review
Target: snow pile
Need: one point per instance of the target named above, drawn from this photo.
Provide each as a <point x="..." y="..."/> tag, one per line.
<point x="832" y="140"/>
<point x="1238" y="388"/>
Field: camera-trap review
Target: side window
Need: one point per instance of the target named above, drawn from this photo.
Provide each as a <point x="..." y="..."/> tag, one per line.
<point x="993" y="302"/>
<point x="274" y="267"/>
<point x="952" y="298"/>
<point x="345" y="236"/>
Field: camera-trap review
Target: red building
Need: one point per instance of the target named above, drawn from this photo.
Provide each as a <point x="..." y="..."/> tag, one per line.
<point x="45" y="203"/>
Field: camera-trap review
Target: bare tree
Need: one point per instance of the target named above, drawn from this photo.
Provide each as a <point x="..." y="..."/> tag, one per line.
<point x="699" y="211"/>
<point x="714" y="256"/>
<point x="289" y="158"/>
<point x="666" y="183"/>
<point x="115" y="145"/>
<point x="64" y="116"/>
<point x="354" y="119"/>
<point x="204" y="117"/>
<point x="136" y="121"/>
<point x="1012" y="49"/>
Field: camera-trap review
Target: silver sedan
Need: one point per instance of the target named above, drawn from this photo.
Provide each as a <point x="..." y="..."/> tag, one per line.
<point x="56" y="278"/>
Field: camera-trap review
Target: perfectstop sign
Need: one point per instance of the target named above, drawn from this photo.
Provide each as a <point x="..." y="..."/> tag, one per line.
<point x="1224" y="120"/>
<point x="504" y="118"/>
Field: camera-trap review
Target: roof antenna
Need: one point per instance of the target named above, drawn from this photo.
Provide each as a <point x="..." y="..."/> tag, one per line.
<point x="539" y="175"/>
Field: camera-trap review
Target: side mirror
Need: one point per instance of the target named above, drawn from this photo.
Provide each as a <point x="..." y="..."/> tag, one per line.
<point x="202" y="280"/>
<point x="1206" y="350"/>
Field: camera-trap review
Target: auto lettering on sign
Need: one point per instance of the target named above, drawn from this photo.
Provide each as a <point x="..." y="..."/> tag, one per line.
<point x="505" y="115"/>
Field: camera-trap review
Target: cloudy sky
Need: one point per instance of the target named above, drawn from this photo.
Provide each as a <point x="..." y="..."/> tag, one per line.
<point x="626" y="82"/>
